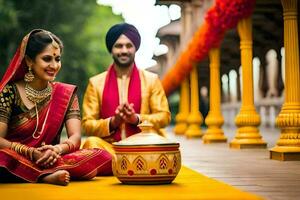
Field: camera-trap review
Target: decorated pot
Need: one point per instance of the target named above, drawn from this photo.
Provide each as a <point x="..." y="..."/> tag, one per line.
<point x="146" y="158"/>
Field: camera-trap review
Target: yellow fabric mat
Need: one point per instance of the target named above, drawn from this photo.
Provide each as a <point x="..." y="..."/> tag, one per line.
<point x="187" y="185"/>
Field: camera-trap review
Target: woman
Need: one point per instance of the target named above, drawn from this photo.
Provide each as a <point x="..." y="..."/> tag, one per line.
<point x="33" y="110"/>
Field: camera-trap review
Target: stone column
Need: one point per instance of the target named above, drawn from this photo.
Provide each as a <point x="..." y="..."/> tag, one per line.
<point x="183" y="26"/>
<point x="181" y="117"/>
<point x="233" y="86"/>
<point x="214" y="119"/>
<point x="188" y="23"/>
<point x="272" y="73"/>
<point x="233" y="98"/>
<point x="282" y="52"/>
<point x="256" y="77"/>
<point x="195" y="118"/>
<point x="225" y="87"/>
<point x="198" y="13"/>
<point x="247" y="120"/>
<point x="288" y="120"/>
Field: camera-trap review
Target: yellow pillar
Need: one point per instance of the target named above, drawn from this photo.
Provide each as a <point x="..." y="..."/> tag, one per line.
<point x="184" y="109"/>
<point x="195" y="118"/>
<point x="214" y="119"/>
<point x="288" y="120"/>
<point x="181" y="117"/>
<point x="247" y="120"/>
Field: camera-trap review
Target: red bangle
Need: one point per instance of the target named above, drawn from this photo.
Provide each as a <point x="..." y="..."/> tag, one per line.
<point x="70" y="145"/>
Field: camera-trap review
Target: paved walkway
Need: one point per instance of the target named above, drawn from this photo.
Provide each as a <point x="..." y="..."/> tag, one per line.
<point x="248" y="169"/>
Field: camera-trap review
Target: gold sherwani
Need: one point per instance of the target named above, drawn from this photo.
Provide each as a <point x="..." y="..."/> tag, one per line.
<point x="154" y="104"/>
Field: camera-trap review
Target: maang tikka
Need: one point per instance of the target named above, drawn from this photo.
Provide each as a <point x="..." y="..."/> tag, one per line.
<point x="29" y="76"/>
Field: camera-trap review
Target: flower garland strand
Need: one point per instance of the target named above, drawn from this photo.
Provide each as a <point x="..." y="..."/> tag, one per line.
<point x="224" y="15"/>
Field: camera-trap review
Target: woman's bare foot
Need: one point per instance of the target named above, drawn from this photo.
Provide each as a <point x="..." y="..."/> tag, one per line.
<point x="60" y="177"/>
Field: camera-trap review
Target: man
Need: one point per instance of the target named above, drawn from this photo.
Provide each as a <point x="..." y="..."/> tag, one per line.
<point x="117" y="100"/>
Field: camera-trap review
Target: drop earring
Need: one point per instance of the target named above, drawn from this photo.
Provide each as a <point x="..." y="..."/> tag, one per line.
<point x="29" y="76"/>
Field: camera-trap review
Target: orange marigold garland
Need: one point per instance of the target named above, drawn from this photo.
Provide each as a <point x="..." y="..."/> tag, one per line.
<point x="224" y="15"/>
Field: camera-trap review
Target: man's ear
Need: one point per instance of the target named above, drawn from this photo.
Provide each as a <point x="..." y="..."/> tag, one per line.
<point x="29" y="61"/>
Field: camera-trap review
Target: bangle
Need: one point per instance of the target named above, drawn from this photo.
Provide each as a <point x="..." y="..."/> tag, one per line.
<point x="22" y="150"/>
<point x="70" y="145"/>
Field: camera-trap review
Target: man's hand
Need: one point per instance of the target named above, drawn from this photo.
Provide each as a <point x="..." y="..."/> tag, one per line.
<point x="129" y="114"/>
<point x="117" y="119"/>
<point x="124" y="113"/>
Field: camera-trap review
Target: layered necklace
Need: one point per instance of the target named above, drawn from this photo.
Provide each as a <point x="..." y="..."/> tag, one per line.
<point x="37" y="96"/>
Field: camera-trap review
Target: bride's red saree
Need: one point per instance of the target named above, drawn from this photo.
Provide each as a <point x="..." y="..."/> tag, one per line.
<point x="80" y="164"/>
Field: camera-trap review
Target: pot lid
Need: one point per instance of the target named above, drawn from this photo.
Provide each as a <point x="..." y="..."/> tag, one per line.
<point x="148" y="136"/>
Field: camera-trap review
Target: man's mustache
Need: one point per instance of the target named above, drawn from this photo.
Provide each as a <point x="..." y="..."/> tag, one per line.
<point x="124" y="54"/>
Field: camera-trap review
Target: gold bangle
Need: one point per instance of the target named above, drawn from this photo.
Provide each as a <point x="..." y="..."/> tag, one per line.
<point x="22" y="150"/>
<point x="18" y="147"/>
<point x="13" y="146"/>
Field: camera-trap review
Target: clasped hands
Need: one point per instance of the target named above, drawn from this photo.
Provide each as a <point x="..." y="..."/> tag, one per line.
<point x="124" y="113"/>
<point x="46" y="155"/>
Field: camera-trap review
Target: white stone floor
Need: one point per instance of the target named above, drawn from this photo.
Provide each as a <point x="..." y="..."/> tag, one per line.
<point x="250" y="170"/>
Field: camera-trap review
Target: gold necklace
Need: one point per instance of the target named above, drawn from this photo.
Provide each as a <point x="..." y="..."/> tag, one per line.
<point x="37" y="96"/>
<point x="37" y="134"/>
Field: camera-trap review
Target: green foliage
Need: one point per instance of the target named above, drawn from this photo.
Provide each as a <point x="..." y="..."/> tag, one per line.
<point x="81" y="25"/>
<point x="8" y="16"/>
<point x="96" y="27"/>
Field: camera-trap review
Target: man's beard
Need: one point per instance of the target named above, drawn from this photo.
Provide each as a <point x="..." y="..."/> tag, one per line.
<point x="121" y="64"/>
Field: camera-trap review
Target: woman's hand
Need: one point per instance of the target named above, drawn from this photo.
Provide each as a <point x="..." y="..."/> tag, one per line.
<point x="47" y="155"/>
<point x="51" y="147"/>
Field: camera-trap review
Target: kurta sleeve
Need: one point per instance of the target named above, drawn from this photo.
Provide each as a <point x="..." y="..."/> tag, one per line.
<point x="91" y="121"/>
<point x="159" y="114"/>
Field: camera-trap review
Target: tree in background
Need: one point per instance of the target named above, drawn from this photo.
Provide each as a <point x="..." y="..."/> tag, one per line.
<point x="81" y="24"/>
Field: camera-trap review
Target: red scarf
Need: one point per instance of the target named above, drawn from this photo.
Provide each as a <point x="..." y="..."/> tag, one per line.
<point x="110" y="98"/>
